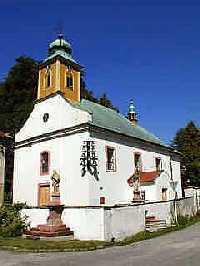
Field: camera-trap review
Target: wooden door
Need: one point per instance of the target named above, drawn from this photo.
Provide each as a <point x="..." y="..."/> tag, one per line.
<point x="44" y="194"/>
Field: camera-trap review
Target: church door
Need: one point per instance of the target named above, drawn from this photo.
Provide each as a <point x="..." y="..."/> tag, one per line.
<point x="44" y="194"/>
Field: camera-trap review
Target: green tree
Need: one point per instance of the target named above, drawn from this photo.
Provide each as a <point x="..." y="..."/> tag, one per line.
<point x="105" y="101"/>
<point x="187" y="141"/>
<point x="17" y="94"/>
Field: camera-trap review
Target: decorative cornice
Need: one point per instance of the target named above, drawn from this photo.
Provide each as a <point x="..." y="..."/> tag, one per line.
<point x="52" y="135"/>
<point x="91" y="128"/>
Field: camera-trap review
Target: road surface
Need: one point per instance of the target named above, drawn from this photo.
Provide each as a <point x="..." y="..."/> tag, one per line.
<point x="181" y="248"/>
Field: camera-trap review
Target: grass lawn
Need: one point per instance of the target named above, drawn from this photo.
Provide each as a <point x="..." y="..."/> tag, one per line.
<point x="21" y="244"/>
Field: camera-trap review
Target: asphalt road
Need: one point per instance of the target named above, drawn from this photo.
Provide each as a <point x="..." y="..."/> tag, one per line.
<point x="180" y="248"/>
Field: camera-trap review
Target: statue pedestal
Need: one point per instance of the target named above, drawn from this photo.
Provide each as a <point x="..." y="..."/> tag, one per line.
<point x="54" y="226"/>
<point x="55" y="198"/>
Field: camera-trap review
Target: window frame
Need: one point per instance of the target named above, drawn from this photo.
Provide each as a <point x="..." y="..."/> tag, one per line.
<point x="69" y="78"/>
<point x="160" y="164"/>
<point x="48" y="79"/>
<point x="48" y="171"/>
<point x="141" y="164"/>
<point x="164" y="192"/>
<point x="114" y="160"/>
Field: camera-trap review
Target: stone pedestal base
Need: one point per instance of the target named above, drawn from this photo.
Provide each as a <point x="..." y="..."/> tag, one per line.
<point x="49" y="231"/>
<point x="54" y="226"/>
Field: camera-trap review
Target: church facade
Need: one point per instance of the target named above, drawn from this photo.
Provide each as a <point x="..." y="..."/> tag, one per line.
<point x="100" y="157"/>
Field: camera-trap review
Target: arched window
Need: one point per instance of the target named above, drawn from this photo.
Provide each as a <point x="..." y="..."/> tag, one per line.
<point x="44" y="162"/>
<point x="48" y="79"/>
<point x="69" y="81"/>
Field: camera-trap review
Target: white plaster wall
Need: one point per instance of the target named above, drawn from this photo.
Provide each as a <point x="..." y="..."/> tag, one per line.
<point x="61" y="115"/>
<point x="161" y="210"/>
<point x="35" y="216"/>
<point x="74" y="187"/>
<point x="150" y="192"/>
<point x="123" y="222"/>
<point x="177" y="177"/>
<point x="187" y="206"/>
<point x="86" y="223"/>
<point x="115" y="187"/>
<point x="64" y="158"/>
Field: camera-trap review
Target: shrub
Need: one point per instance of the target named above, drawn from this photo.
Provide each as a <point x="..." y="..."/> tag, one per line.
<point x="11" y="223"/>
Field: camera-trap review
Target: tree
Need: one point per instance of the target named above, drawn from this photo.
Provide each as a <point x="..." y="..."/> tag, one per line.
<point x="105" y="101"/>
<point x="187" y="141"/>
<point x="17" y="94"/>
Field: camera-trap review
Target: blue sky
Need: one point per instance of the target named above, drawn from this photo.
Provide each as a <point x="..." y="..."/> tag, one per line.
<point x="145" y="50"/>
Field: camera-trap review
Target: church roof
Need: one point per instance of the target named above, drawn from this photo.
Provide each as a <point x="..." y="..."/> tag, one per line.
<point x="109" y="119"/>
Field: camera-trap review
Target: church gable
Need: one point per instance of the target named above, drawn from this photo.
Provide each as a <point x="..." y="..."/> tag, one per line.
<point x="54" y="113"/>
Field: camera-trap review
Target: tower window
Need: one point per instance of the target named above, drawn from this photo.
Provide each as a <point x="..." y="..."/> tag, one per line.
<point x="69" y="82"/>
<point x="44" y="163"/>
<point x="48" y="79"/>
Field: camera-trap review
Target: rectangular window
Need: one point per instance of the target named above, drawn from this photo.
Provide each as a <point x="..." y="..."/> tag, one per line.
<point x="138" y="162"/>
<point x="69" y="82"/>
<point x="143" y="195"/>
<point x="158" y="164"/>
<point x="164" y="194"/>
<point x="44" y="163"/>
<point x="111" y="159"/>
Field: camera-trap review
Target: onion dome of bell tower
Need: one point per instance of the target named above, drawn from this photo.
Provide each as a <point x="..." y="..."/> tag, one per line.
<point x="132" y="114"/>
<point x="60" y="47"/>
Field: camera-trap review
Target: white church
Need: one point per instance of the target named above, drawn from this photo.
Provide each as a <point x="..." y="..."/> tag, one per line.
<point x="98" y="156"/>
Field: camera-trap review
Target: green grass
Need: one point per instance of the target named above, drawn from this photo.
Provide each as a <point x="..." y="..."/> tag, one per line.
<point x="21" y="244"/>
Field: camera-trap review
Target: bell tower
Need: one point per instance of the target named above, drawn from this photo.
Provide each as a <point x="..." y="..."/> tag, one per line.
<point x="59" y="72"/>
<point x="132" y="114"/>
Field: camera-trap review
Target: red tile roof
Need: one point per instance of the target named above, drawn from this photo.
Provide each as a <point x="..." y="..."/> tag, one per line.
<point x="148" y="176"/>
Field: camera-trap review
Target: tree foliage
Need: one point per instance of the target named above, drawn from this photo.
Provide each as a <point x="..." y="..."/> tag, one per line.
<point x="19" y="90"/>
<point x="11" y="222"/>
<point x="187" y="141"/>
<point x="17" y="94"/>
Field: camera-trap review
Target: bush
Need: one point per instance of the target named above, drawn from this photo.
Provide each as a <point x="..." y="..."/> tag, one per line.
<point x="11" y="223"/>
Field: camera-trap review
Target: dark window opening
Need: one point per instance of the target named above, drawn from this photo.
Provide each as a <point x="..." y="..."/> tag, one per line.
<point x="138" y="164"/>
<point x="143" y="195"/>
<point x="164" y="194"/>
<point x="158" y="165"/>
<point x="69" y="82"/>
<point x="48" y="80"/>
<point x="44" y="162"/>
<point x="111" y="162"/>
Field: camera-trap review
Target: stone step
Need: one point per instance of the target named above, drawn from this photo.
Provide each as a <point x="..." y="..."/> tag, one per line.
<point x="156" y="223"/>
<point x="152" y="224"/>
<point x="150" y="218"/>
<point x="48" y="234"/>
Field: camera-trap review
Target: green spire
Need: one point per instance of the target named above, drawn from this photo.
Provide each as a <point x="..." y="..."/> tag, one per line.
<point x="131" y="108"/>
<point x="60" y="47"/>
